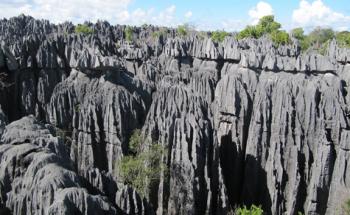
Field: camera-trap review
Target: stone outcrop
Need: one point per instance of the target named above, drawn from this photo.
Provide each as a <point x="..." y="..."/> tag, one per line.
<point x="244" y="122"/>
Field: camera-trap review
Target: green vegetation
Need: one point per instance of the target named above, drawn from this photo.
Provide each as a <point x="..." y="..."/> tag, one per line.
<point x="144" y="25"/>
<point x="129" y="33"/>
<point x="298" y="33"/>
<point x="219" y="36"/>
<point x="266" y="26"/>
<point x="317" y="40"/>
<point x="183" y="30"/>
<point x="202" y="35"/>
<point x="343" y="39"/>
<point x="77" y="108"/>
<point x="141" y="169"/>
<point x="160" y="33"/>
<point x="253" y="210"/>
<point x="83" y="29"/>
<point x="346" y="207"/>
<point x="65" y="135"/>
<point x="280" y="37"/>
<point x="135" y="142"/>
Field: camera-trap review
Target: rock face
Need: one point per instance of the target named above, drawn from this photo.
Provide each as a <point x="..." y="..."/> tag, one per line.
<point x="243" y="122"/>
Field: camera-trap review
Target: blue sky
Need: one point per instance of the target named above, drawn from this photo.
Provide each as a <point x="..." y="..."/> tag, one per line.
<point x="230" y="15"/>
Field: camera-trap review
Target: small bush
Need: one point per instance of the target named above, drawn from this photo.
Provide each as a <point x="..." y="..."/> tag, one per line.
<point x="343" y="39"/>
<point x="182" y="30"/>
<point x="219" y="36"/>
<point x="141" y="169"/>
<point x="249" y="32"/>
<point x="129" y="33"/>
<point x="280" y="37"/>
<point x="83" y="29"/>
<point x="159" y="33"/>
<point x="135" y="141"/>
<point x="266" y="26"/>
<point x="298" y="33"/>
<point x="346" y="207"/>
<point x="254" y="210"/>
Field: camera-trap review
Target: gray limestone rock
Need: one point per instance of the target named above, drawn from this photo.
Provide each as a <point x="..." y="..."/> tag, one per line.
<point x="244" y="121"/>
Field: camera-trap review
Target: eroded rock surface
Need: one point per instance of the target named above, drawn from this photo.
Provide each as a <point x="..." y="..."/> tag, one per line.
<point x="244" y="122"/>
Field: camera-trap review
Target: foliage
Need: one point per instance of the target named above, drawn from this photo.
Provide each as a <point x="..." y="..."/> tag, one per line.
<point x="144" y="25"/>
<point x="266" y="26"/>
<point x="298" y="33"/>
<point x="253" y="210"/>
<point x="135" y="141"/>
<point x="319" y="36"/>
<point x="343" y="39"/>
<point x="219" y="36"/>
<point x="249" y="32"/>
<point x="182" y="30"/>
<point x="65" y="135"/>
<point x="141" y="169"/>
<point x="83" y="29"/>
<point x="346" y="207"/>
<point x="318" y="39"/>
<point x="280" y="37"/>
<point x="77" y="108"/>
<point x="128" y="31"/>
<point x="202" y="35"/>
<point x="159" y="33"/>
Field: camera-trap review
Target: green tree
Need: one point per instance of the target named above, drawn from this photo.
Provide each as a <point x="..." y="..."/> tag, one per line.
<point x="160" y="33"/>
<point x="249" y="32"/>
<point x="129" y="33"/>
<point x="346" y="207"/>
<point x="266" y="26"/>
<point x="253" y="210"/>
<point x="135" y="141"/>
<point x="219" y="36"/>
<point x="280" y="37"/>
<point x="343" y="39"/>
<point x="141" y="169"/>
<point x="83" y="29"/>
<point x="319" y="36"/>
<point x="183" y="30"/>
<point x="298" y="33"/>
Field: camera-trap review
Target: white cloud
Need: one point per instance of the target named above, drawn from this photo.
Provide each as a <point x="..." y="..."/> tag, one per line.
<point x="260" y="10"/>
<point x="75" y="10"/>
<point x="310" y="15"/>
<point x="78" y="11"/>
<point x="233" y="25"/>
<point x="188" y="14"/>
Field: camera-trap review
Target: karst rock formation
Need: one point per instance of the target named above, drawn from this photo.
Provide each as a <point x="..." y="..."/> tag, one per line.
<point x="244" y="122"/>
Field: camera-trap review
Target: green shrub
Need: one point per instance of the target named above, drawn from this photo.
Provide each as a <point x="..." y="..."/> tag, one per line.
<point x="319" y="36"/>
<point x="142" y="169"/>
<point x="343" y="39"/>
<point x="135" y="141"/>
<point x="159" y="33"/>
<point x="280" y="37"/>
<point x="182" y="30"/>
<point x="129" y="33"/>
<point x="83" y="29"/>
<point x="298" y="33"/>
<point x="249" y="32"/>
<point x="266" y="26"/>
<point x="202" y="35"/>
<point x="254" y="210"/>
<point x="346" y="207"/>
<point x="219" y="36"/>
